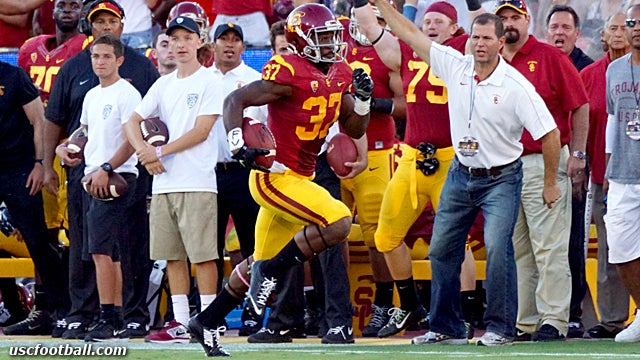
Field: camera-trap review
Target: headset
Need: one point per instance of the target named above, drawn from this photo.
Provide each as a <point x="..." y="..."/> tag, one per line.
<point x="87" y="5"/>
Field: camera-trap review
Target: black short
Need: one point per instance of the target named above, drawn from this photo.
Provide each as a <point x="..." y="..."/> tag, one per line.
<point x="107" y="221"/>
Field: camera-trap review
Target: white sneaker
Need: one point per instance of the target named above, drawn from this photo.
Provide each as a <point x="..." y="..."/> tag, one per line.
<point x="432" y="338"/>
<point x="632" y="332"/>
<point x="492" y="339"/>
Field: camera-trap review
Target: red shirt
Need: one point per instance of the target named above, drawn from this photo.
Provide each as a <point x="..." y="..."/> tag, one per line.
<point x="556" y="80"/>
<point x="426" y="96"/>
<point x="382" y="129"/>
<point x="11" y="36"/>
<point x="229" y="7"/>
<point x="300" y="122"/>
<point x="45" y="17"/>
<point x="595" y="82"/>
<point x="43" y="64"/>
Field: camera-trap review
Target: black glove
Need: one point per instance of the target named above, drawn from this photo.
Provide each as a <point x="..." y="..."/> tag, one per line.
<point x="473" y="5"/>
<point x="247" y="157"/>
<point x="362" y="84"/>
<point x="360" y="3"/>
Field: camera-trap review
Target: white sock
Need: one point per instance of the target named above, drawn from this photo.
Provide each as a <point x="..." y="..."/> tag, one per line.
<point x="206" y="300"/>
<point x="180" y="308"/>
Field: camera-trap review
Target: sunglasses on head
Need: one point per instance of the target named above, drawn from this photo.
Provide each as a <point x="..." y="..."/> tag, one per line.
<point x="631" y="22"/>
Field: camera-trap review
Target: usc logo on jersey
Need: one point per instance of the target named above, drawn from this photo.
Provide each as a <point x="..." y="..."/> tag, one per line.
<point x="532" y="65"/>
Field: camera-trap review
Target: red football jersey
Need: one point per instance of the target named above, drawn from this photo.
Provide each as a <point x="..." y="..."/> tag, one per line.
<point x="381" y="130"/>
<point x="427" y="99"/>
<point x="43" y="64"/>
<point x="300" y="122"/>
<point x="556" y="80"/>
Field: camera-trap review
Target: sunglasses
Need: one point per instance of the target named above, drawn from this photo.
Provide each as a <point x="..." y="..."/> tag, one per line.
<point x="631" y="22"/>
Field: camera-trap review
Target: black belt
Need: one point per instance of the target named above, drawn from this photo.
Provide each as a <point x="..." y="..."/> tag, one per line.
<point x="494" y="171"/>
<point x="231" y="165"/>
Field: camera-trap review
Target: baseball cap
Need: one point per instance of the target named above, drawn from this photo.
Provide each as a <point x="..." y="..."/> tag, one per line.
<point x="105" y="6"/>
<point x="183" y="22"/>
<point x="221" y="29"/>
<point x="445" y="9"/>
<point x="517" y="5"/>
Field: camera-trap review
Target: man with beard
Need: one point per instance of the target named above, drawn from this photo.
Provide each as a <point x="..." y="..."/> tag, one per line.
<point x="541" y="237"/>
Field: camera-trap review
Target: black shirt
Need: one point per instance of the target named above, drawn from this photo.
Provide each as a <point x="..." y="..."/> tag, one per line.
<point x="16" y="131"/>
<point x="579" y="59"/>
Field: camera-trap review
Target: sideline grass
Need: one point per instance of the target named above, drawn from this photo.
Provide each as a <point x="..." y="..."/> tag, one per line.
<point x="582" y="350"/>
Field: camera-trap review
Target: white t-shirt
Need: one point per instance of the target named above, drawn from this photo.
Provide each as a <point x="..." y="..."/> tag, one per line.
<point x="178" y="102"/>
<point x="137" y="16"/>
<point x="232" y="80"/>
<point x="502" y="105"/>
<point x="104" y="111"/>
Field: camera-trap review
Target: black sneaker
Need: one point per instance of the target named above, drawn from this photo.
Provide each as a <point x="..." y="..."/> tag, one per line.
<point x="104" y="331"/>
<point x="259" y="290"/>
<point x="400" y="319"/>
<point x="251" y="324"/>
<point x="547" y="332"/>
<point x="75" y="330"/>
<point x="339" y="335"/>
<point x="136" y="330"/>
<point x="379" y="318"/>
<point x="268" y="336"/>
<point x="522" y="336"/>
<point x="600" y="332"/>
<point x="208" y="338"/>
<point x="38" y="322"/>
<point x="59" y="328"/>
<point x="576" y="330"/>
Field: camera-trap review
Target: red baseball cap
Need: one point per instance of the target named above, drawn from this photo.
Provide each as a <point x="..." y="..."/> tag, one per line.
<point x="517" y="5"/>
<point x="105" y="6"/>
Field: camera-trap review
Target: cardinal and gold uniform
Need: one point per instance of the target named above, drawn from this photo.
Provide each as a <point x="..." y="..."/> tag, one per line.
<point x="287" y="197"/>
<point x="409" y="190"/>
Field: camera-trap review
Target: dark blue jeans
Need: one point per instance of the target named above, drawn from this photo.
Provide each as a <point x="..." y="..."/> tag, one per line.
<point x="28" y="216"/>
<point x="462" y="197"/>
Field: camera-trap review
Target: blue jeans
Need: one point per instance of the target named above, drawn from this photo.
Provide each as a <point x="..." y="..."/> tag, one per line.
<point x="463" y="196"/>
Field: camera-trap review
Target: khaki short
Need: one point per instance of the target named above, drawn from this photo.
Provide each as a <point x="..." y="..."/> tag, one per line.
<point x="184" y="225"/>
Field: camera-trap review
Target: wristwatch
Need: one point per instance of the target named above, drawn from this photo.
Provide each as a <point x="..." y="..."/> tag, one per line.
<point x="579" y="154"/>
<point x="107" y="167"/>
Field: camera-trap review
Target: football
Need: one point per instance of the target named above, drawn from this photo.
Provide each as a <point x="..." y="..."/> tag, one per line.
<point x="341" y="149"/>
<point x="256" y="135"/>
<point x="154" y="131"/>
<point x="117" y="186"/>
<point x="76" y="142"/>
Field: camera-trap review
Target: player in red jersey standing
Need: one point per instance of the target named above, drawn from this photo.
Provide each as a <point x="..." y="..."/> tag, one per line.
<point x="306" y="92"/>
<point x="423" y="168"/>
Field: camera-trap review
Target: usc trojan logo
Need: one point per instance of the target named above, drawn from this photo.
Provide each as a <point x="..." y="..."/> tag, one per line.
<point x="295" y="20"/>
<point x="532" y="65"/>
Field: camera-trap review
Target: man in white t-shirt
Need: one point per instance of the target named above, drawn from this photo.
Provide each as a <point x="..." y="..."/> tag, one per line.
<point x="490" y="104"/>
<point x="105" y="110"/>
<point x="184" y="201"/>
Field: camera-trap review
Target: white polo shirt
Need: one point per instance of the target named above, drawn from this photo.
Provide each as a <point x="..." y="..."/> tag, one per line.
<point x="500" y="106"/>
<point x="232" y="80"/>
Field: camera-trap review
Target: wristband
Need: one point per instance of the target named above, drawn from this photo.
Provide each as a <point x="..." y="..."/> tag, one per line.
<point x="362" y="107"/>
<point x="409" y="11"/>
<point x="159" y="152"/>
<point x="379" y="37"/>
<point x="382" y="105"/>
<point x="235" y="140"/>
<point x="473" y="5"/>
<point x="360" y="3"/>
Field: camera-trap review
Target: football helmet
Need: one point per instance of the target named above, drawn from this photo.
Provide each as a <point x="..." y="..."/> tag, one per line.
<point x="196" y="12"/>
<point x="354" y="31"/>
<point x="306" y="24"/>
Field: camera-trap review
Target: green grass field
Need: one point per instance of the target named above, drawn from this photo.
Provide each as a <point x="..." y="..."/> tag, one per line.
<point x="369" y="349"/>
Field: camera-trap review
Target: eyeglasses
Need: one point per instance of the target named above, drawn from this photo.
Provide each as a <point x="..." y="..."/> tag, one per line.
<point x="631" y="22"/>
